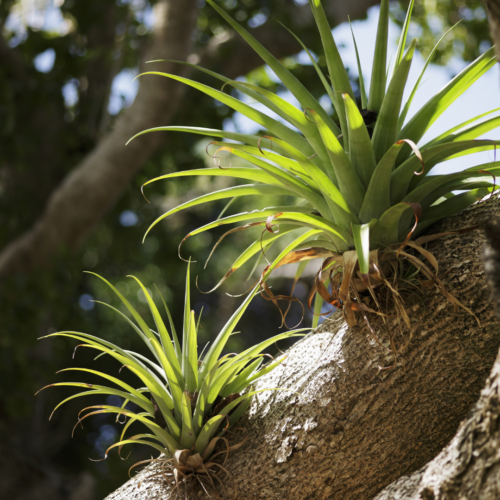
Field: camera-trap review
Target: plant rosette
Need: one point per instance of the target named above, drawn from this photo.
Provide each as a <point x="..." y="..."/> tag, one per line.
<point x="186" y="401"/>
<point x="362" y="187"/>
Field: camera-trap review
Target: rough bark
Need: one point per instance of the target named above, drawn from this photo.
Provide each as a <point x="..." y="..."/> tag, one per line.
<point x="354" y="428"/>
<point x="95" y="185"/>
<point x="469" y="467"/>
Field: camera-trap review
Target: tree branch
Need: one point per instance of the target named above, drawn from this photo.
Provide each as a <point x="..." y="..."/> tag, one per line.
<point x="354" y="428"/>
<point x="469" y="467"/>
<point x="95" y="185"/>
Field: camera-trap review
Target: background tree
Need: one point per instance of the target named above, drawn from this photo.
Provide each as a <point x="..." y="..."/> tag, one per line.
<point x="69" y="189"/>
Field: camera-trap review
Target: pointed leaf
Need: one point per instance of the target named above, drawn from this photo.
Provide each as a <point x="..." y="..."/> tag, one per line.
<point x="387" y="128"/>
<point x="377" y="86"/>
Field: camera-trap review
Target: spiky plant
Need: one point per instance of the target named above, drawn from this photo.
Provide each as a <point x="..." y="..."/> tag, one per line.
<point x="186" y="402"/>
<point x="358" y="177"/>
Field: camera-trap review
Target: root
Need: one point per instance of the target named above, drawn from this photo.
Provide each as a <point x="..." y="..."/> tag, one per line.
<point x="187" y="470"/>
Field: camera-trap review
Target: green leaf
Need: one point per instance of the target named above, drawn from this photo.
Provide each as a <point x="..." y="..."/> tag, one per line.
<point x="252" y="140"/>
<point x="155" y="386"/>
<point x="164" y="335"/>
<point x="188" y="436"/>
<point x="207" y="433"/>
<point x="256" y="215"/>
<point x="177" y="345"/>
<point x="288" y="112"/>
<point x="189" y="341"/>
<point x="170" y="443"/>
<point x="238" y="412"/>
<point x="386" y="231"/>
<point x="401" y="178"/>
<point x="432" y="110"/>
<point x="133" y="325"/>
<point x="378" y="195"/>
<point x="161" y="397"/>
<point x="258" y="246"/>
<point x="244" y="357"/>
<point x="378" y="80"/>
<point x="361" y="235"/>
<point x="289" y="80"/>
<point x="448" y="208"/>
<point x="144" y="327"/>
<point x="322" y="77"/>
<point x="349" y="182"/>
<point x="202" y="406"/>
<point x="361" y="154"/>
<point x="471" y="129"/>
<point x="386" y="127"/>
<point x="402" y="38"/>
<point x="115" y="380"/>
<point x="253" y="174"/>
<point x="338" y="74"/>
<point x="173" y="382"/>
<point x="274" y="126"/>
<point x="318" y="305"/>
<point x="364" y="100"/>
<point x="335" y="207"/>
<point x="241" y="378"/>
<point x="218" y="344"/>
<point x="254" y="377"/>
<point x="100" y="389"/>
<point x="406" y="108"/>
<point x="161" y="449"/>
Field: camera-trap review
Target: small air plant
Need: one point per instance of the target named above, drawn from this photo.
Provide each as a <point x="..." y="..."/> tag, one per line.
<point x="363" y="188"/>
<point x="187" y="403"/>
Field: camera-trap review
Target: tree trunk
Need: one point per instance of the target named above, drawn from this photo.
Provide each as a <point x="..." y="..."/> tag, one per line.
<point x="362" y="419"/>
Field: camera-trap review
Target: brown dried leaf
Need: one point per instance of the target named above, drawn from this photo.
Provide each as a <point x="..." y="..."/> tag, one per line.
<point x="306" y="254"/>
<point x="428" y="255"/>
<point x="417" y="210"/>
<point x="350" y="262"/>
<point x="415" y="149"/>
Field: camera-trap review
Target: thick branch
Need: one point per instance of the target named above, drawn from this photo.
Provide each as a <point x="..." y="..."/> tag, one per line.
<point x="95" y="185"/>
<point x="469" y="467"/>
<point x="89" y="191"/>
<point x="354" y="428"/>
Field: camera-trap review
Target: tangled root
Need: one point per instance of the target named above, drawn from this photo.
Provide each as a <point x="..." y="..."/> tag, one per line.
<point x="188" y="469"/>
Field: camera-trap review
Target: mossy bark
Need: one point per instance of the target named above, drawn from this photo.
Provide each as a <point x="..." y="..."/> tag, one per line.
<point x="351" y="428"/>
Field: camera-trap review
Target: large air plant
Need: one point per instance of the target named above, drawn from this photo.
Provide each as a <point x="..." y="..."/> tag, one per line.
<point x="361" y="184"/>
<point x="186" y="402"/>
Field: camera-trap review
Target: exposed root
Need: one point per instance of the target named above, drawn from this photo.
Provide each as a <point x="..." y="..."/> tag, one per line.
<point x="187" y="470"/>
<point x="400" y="273"/>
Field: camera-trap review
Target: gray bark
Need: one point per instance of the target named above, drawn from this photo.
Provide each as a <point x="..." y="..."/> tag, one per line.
<point x="95" y="185"/>
<point x="354" y="428"/>
<point x="469" y="467"/>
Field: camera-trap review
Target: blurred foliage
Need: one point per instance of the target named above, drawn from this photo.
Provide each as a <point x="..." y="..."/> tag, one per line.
<point x="51" y="118"/>
<point x="433" y="17"/>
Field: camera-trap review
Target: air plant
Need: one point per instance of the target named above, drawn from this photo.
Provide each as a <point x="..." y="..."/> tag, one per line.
<point x="187" y="402"/>
<point x="363" y="188"/>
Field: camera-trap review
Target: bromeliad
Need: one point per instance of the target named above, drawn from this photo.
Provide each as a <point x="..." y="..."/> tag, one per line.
<point x="362" y="185"/>
<point x="186" y="403"/>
